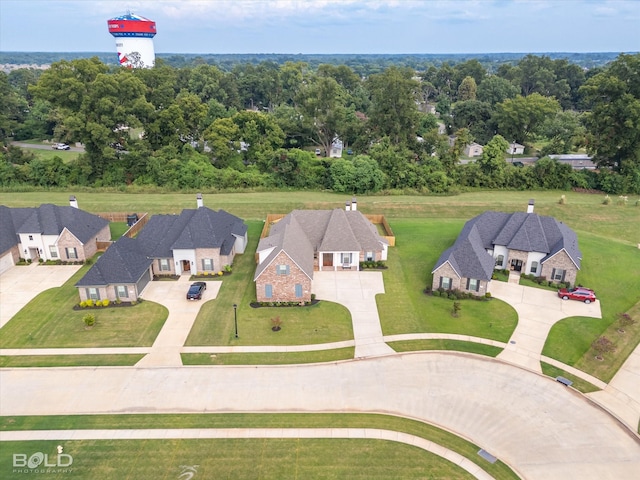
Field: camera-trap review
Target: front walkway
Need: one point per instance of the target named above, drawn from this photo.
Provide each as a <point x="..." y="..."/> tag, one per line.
<point x="249" y="433"/>
<point x="538" y="310"/>
<point x="357" y="291"/>
<point x="22" y="283"/>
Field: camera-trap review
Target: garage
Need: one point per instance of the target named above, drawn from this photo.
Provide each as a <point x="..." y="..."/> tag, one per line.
<point x="6" y="262"/>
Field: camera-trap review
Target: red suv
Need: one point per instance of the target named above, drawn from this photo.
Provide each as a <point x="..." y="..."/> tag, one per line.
<point x="577" y="293"/>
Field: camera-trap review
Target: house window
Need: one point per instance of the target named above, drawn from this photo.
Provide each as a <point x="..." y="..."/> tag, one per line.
<point x="93" y="294"/>
<point x="534" y="267"/>
<point x="30" y="237"/>
<point x="282" y="270"/>
<point x="557" y="274"/>
<point x="207" y="264"/>
<point x="72" y="252"/>
<point x="53" y="251"/>
<point x="164" y="264"/>
<point x="122" y="291"/>
<point x="268" y="291"/>
<point x="298" y="290"/>
<point x="500" y="261"/>
<point x="445" y="282"/>
<point x="473" y="285"/>
<point x="345" y="258"/>
<point x="368" y="257"/>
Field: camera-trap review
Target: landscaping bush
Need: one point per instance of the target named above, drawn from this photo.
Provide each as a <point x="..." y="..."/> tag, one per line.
<point x="89" y="319"/>
<point x="105" y="302"/>
<point x="435" y="293"/>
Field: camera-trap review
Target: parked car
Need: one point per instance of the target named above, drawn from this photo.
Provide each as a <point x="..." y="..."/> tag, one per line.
<point x="318" y="152"/>
<point x="585" y="295"/>
<point x="196" y="290"/>
<point x="60" y="146"/>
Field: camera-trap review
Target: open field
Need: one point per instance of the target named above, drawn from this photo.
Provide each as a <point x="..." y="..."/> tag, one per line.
<point x="135" y="457"/>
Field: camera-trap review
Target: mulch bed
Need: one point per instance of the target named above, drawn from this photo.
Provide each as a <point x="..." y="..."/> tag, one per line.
<point x="259" y="305"/>
<point x="111" y="305"/>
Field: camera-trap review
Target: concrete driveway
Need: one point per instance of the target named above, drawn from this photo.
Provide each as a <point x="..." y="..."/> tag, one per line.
<point x="538" y="310"/>
<point x="21" y="284"/>
<point x="182" y="313"/>
<point x="357" y="291"/>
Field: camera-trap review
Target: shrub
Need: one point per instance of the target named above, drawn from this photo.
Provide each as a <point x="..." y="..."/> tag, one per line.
<point x="487" y="295"/>
<point x="83" y="304"/>
<point x="607" y="200"/>
<point x="313" y="296"/>
<point x="227" y="268"/>
<point x="220" y="273"/>
<point x="41" y="260"/>
<point x="435" y="293"/>
<point x="90" y="303"/>
<point x="105" y="302"/>
<point x="89" y="319"/>
<point x="88" y="261"/>
<point x="563" y="200"/>
<point x="452" y="296"/>
<point x="455" y="310"/>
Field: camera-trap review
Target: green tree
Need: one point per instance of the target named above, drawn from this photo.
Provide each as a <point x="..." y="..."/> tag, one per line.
<point x="393" y="112"/>
<point x="492" y="162"/>
<point x="467" y="89"/>
<point x="613" y="122"/>
<point x="522" y="117"/>
<point x="495" y="90"/>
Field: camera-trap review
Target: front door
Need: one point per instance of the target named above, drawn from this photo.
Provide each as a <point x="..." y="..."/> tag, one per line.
<point x="186" y="266"/>
<point x="327" y="259"/>
<point x="516" y="265"/>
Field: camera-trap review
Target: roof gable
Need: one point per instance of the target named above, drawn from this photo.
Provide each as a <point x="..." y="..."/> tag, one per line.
<point x="123" y="262"/>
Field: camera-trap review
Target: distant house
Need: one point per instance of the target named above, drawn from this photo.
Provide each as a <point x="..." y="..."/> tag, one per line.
<point x="515" y="149"/>
<point x="195" y="241"/>
<point x="522" y="242"/>
<point x="308" y="240"/>
<point x="49" y="232"/>
<point x="336" y="148"/>
<point x="473" y="150"/>
<point x="576" y="160"/>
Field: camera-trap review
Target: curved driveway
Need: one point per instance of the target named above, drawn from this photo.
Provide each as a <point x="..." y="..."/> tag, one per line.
<point x="541" y="428"/>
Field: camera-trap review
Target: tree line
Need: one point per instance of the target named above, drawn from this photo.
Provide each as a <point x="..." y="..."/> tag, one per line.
<point x="259" y="125"/>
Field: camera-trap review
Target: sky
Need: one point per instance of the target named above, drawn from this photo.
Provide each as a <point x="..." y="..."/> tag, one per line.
<point x="330" y="26"/>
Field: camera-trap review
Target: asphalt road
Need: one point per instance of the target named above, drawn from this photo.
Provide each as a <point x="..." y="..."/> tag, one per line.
<point x="44" y="146"/>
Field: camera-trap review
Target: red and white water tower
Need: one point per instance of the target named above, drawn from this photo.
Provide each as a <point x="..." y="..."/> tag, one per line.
<point x="134" y="40"/>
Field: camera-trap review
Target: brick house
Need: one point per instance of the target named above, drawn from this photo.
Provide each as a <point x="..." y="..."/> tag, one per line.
<point x="49" y="232"/>
<point x="521" y="242"/>
<point x="195" y="241"/>
<point x="305" y="241"/>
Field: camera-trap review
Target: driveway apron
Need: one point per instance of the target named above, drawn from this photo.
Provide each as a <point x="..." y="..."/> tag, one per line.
<point x="357" y="292"/>
<point x="538" y="310"/>
<point x="182" y="313"/>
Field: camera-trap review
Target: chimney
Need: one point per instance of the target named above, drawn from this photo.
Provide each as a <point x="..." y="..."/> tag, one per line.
<point x="354" y="204"/>
<point x="347" y="206"/>
<point x="73" y="202"/>
<point x="199" y="200"/>
<point x="530" y="206"/>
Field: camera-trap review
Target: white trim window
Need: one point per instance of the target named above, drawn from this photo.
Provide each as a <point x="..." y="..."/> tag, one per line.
<point x="72" y="253"/>
<point x="282" y="270"/>
<point x="53" y="251"/>
<point x="122" y="291"/>
<point x="93" y="293"/>
<point x="163" y="263"/>
<point x="534" y="267"/>
<point x="445" y="282"/>
<point x="473" y="284"/>
<point x="500" y="261"/>
<point x="207" y="264"/>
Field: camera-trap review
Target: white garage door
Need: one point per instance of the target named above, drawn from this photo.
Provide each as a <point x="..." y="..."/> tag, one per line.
<point x="6" y="263"/>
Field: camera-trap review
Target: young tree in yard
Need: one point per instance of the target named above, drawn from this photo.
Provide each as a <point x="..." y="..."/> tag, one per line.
<point x="602" y="345"/>
<point x="492" y="162"/>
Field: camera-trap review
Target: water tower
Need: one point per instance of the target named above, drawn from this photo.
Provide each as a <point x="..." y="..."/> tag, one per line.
<point x="134" y="40"/>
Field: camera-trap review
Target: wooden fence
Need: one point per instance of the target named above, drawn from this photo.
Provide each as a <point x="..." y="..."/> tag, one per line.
<point x="122" y="217"/>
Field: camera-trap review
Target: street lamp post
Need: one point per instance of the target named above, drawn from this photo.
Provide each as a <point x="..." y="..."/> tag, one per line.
<point x="235" y="317"/>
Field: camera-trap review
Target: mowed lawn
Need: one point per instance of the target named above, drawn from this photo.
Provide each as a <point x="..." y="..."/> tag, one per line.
<point x="49" y="321"/>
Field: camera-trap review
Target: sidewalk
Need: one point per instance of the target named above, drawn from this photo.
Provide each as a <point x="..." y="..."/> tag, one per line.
<point x="223" y="433"/>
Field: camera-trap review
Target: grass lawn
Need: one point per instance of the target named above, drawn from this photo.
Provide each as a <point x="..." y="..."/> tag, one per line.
<point x="117" y="229"/>
<point x="578" y="383"/>
<point x="445" y="344"/>
<point x="404" y="308"/>
<point x="49" y="321"/>
<point x="321" y="323"/>
<point x="611" y="268"/>
<point x="525" y="282"/>
<point x="275" y="358"/>
<point x="68" y="360"/>
<point x="137" y="450"/>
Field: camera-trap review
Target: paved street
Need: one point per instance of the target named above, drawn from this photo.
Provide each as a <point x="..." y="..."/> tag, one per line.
<point x="541" y="428"/>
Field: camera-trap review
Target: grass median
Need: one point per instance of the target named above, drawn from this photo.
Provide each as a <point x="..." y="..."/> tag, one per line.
<point x="135" y="452"/>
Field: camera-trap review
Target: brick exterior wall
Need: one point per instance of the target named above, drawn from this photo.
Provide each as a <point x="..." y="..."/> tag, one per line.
<point x="283" y="286"/>
<point x="446" y="270"/>
<point x="482" y="288"/>
<point x="517" y="255"/>
<point x="109" y="292"/>
<point x="155" y="267"/>
<point x="560" y="260"/>
<point x="88" y="250"/>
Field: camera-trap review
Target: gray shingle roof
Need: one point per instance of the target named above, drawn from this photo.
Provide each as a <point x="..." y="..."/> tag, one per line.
<point x="193" y="228"/>
<point x="528" y="232"/>
<point x="48" y="219"/>
<point x="303" y="232"/>
<point x="124" y="262"/>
